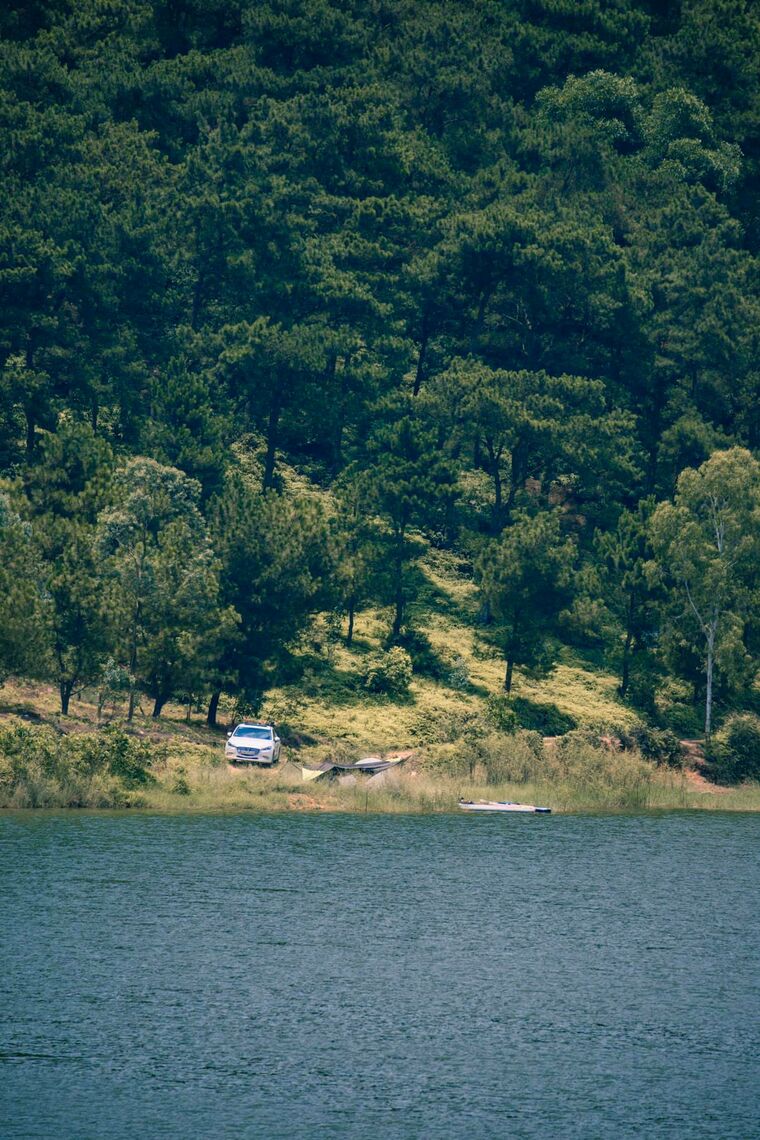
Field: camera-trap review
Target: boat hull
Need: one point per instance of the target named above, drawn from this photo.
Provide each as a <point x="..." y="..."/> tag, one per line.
<point x="531" y="809"/>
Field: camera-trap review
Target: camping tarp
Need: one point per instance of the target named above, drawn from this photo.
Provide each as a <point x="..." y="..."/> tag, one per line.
<point x="370" y="765"/>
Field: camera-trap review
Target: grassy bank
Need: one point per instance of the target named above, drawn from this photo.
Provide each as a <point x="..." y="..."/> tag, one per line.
<point x="451" y="717"/>
<point x="43" y="768"/>
<point x="412" y="793"/>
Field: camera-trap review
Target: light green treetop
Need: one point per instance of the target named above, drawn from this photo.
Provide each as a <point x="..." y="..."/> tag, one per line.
<point x="707" y="548"/>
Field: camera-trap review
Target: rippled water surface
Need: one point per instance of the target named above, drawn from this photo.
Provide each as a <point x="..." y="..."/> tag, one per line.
<point x="358" y="976"/>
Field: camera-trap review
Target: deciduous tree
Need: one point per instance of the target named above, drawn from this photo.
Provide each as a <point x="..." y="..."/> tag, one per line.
<point x="707" y="547"/>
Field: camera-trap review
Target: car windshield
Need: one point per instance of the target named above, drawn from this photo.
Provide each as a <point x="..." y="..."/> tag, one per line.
<point x="254" y="731"/>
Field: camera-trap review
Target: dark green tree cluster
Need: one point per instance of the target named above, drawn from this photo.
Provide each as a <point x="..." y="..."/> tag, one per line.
<point x="289" y="288"/>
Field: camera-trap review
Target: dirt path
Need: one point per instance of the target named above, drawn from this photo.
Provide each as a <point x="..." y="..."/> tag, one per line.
<point x="695" y="759"/>
<point x="695" y="752"/>
<point x="698" y="783"/>
<point x="694" y="769"/>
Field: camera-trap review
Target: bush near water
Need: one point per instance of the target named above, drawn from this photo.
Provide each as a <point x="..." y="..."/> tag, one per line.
<point x="734" y="752"/>
<point x="42" y="768"/>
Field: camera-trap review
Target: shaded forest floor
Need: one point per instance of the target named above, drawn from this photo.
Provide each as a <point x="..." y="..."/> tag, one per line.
<point x="327" y="714"/>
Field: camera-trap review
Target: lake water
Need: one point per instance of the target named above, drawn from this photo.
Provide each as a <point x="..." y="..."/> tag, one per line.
<point x="380" y="977"/>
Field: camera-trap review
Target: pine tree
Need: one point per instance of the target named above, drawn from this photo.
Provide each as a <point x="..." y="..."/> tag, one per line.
<point x="526" y="576"/>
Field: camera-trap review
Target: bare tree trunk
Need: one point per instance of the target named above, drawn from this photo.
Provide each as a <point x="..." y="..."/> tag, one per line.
<point x="494" y="462"/>
<point x="132" y="670"/>
<point x="158" y="704"/>
<point x="340" y="426"/>
<point x="709" y="696"/>
<point x="31" y="419"/>
<point x="625" y="679"/>
<point x="477" y="459"/>
<point x="626" y="666"/>
<point x="213" y="707"/>
<point x="515" y="478"/>
<point x="351" y="614"/>
<point x="508" y="676"/>
<point x="485" y="616"/>
<point x="398" y="617"/>
<point x="65" y="688"/>
<point x="485" y="297"/>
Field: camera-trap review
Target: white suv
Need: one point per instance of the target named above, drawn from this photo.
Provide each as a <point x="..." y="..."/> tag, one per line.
<point x="253" y="744"/>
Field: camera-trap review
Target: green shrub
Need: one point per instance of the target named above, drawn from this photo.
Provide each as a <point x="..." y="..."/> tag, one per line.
<point x="733" y="754"/>
<point x="426" y="661"/>
<point x="389" y="672"/>
<point x="603" y="776"/>
<point x="448" y="759"/>
<point x="674" y="706"/>
<point x="444" y="726"/>
<point x="180" y="787"/>
<point x="459" y="675"/>
<point x="500" y="713"/>
<point x="114" y="683"/>
<point x="544" y="718"/>
<point x="510" y="757"/>
<point x="343" y="752"/>
<point x="40" y="768"/>
<point x="657" y="744"/>
<point x="570" y="742"/>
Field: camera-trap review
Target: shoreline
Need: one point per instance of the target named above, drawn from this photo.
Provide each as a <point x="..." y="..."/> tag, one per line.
<point x="338" y="809"/>
<point x="413" y="793"/>
<point x="174" y="766"/>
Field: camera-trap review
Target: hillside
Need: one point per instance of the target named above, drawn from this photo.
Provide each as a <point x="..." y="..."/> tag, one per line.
<point x="332" y="703"/>
<point x="332" y="332"/>
<point x="447" y="724"/>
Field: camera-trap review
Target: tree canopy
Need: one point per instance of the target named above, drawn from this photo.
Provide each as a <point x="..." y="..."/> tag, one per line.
<point x="483" y="275"/>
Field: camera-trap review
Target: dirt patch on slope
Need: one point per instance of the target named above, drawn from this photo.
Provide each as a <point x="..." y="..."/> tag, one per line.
<point x="694" y="771"/>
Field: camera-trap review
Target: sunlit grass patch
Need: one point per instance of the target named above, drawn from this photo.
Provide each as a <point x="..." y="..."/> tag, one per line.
<point x="589" y="698"/>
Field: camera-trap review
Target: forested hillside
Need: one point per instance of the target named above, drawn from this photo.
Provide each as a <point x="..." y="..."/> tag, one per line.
<point x="294" y="293"/>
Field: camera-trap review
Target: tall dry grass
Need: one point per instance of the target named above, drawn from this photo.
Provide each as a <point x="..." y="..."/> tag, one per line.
<point x="41" y="769"/>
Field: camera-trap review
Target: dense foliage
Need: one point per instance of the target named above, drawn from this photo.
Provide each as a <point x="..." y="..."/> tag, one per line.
<point x="290" y="289"/>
